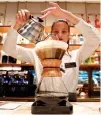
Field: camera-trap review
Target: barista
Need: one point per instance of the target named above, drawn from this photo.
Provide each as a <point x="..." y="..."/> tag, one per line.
<point x="61" y="29"/>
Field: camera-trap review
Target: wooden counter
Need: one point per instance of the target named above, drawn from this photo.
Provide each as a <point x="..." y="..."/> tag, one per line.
<point x="31" y="98"/>
<point x="79" y="108"/>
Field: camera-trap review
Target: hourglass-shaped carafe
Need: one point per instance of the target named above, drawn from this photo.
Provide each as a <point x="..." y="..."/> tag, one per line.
<point x="50" y="53"/>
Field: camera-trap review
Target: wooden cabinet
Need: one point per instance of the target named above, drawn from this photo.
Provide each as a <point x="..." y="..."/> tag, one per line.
<point x="90" y="68"/>
<point x="85" y="67"/>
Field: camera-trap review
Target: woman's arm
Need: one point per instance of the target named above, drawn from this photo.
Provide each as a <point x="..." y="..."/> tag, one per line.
<point x="91" y="41"/>
<point x="60" y="13"/>
<point x="16" y="51"/>
<point x="10" y="47"/>
<point x="90" y="33"/>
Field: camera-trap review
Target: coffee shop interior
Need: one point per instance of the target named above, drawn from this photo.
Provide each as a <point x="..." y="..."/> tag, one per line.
<point x="18" y="78"/>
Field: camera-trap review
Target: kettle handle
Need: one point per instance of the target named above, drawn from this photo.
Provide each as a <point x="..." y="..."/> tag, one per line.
<point x="39" y="19"/>
<point x="30" y="17"/>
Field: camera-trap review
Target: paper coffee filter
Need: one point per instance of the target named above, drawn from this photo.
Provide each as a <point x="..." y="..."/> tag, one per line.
<point x="51" y="49"/>
<point x="51" y="44"/>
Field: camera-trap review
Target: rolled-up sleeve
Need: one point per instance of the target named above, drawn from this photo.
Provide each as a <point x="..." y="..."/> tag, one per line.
<point x="12" y="49"/>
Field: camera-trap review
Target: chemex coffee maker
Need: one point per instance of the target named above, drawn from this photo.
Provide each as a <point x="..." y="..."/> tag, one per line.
<point x="49" y="99"/>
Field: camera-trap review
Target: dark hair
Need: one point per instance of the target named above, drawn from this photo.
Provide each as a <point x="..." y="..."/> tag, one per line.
<point x="60" y="20"/>
<point x="64" y="21"/>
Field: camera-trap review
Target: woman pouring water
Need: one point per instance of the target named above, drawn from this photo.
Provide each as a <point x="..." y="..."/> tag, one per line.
<point x="70" y="61"/>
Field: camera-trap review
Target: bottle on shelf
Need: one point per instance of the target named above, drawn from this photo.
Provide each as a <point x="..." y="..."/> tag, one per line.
<point x="18" y="61"/>
<point x="1" y="23"/>
<point x="97" y="22"/>
<point x="96" y="58"/>
<point x="86" y="61"/>
<point x="88" y="20"/>
<point x="74" y="39"/>
<point x="81" y="39"/>
<point x="71" y="41"/>
<point x="1" y="38"/>
<point x="91" y="59"/>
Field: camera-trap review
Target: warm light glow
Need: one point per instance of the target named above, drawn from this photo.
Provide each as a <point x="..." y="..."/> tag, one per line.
<point x="94" y="1"/>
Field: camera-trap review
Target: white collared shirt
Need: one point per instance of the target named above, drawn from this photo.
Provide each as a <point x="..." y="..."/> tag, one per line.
<point x="69" y="80"/>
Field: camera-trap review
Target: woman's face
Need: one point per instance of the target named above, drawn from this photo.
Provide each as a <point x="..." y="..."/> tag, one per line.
<point x="60" y="29"/>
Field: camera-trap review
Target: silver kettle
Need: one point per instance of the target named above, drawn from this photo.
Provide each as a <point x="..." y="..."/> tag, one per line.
<point x="33" y="30"/>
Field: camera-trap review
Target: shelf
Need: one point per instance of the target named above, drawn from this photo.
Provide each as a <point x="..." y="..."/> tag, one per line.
<point x="72" y="29"/>
<point x="32" y="45"/>
<point x="76" y="46"/>
<point x="89" y="67"/>
<point x="14" y="65"/>
<point x="71" y="47"/>
<point x="31" y="98"/>
<point x="82" y="66"/>
<point x="4" y="29"/>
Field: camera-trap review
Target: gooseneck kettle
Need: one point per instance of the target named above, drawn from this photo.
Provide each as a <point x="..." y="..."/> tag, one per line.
<point x="33" y="30"/>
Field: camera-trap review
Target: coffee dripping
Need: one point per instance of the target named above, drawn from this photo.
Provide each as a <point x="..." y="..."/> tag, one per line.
<point x="50" y="52"/>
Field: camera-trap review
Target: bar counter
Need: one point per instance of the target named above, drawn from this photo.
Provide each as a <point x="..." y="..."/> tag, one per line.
<point x="24" y="108"/>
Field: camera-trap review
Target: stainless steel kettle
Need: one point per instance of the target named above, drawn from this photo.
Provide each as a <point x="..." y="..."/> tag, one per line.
<point x="33" y="30"/>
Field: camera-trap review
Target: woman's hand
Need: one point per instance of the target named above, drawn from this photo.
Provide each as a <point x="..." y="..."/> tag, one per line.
<point x="21" y="18"/>
<point x="59" y="13"/>
<point x="55" y="10"/>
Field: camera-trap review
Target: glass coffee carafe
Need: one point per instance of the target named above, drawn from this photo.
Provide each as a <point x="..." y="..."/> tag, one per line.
<point x="51" y="86"/>
<point x="50" y="53"/>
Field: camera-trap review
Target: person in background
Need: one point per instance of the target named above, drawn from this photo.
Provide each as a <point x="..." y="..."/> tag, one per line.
<point x="62" y="30"/>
